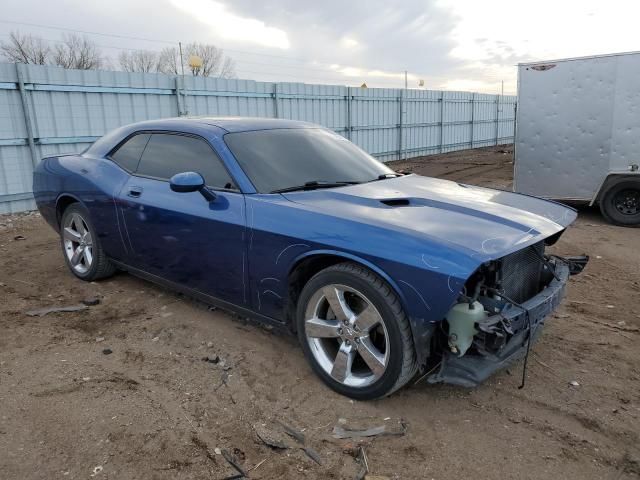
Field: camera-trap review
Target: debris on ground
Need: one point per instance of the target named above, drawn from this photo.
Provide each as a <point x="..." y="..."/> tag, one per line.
<point x="234" y="463"/>
<point x="341" y="432"/>
<point x="91" y="301"/>
<point x="574" y="383"/>
<point x="19" y="237"/>
<point x="257" y="465"/>
<point x="293" y="433"/>
<point x="270" y="436"/>
<point x="41" y="312"/>
<point x="96" y="470"/>
<point x="312" y="454"/>
<point x="99" y="339"/>
<point x="107" y="351"/>
<point x="362" y="459"/>
<point x="215" y="359"/>
<point x="276" y="439"/>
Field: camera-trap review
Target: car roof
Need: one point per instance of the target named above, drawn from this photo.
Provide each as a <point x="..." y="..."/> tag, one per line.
<point x="229" y="124"/>
<point x="204" y="126"/>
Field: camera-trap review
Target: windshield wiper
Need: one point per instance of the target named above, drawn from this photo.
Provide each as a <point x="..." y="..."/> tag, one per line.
<point x="313" y="185"/>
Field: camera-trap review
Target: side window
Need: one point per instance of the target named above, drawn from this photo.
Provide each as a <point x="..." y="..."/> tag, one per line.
<point x="129" y="153"/>
<point x="168" y="154"/>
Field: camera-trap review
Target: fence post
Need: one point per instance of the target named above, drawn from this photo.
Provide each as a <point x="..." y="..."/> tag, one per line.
<point x="348" y="126"/>
<point x="27" y="115"/>
<point x="276" y="111"/>
<point x="179" y="97"/>
<point x="515" y="121"/>
<point x="441" y="121"/>
<point x="473" y="110"/>
<point x="400" y="145"/>
<point x="497" y="117"/>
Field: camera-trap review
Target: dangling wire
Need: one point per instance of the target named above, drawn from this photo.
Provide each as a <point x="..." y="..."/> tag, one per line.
<point x="526" y="356"/>
<point x="528" y="320"/>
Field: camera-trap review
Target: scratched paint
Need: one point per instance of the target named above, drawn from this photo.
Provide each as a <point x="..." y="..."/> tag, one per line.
<point x="271" y="292"/>
<point x="417" y="293"/>
<point x="287" y="248"/>
<point x="269" y="279"/>
<point x="428" y="264"/>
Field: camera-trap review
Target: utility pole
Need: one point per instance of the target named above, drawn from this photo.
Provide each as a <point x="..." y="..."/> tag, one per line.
<point x="502" y="89"/>
<point x="181" y="58"/>
<point x="405" y="79"/>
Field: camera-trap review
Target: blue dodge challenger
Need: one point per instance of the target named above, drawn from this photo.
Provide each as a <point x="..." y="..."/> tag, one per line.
<point x="382" y="276"/>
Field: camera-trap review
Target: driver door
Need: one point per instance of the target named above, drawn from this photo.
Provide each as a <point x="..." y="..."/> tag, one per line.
<point x="181" y="237"/>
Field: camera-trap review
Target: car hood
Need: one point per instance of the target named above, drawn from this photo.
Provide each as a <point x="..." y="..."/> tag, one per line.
<point x="480" y="222"/>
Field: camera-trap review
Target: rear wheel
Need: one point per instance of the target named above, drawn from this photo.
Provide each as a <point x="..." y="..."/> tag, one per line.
<point x="354" y="332"/>
<point x="620" y="204"/>
<point x="81" y="247"/>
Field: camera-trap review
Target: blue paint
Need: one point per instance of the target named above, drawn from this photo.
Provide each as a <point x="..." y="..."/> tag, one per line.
<point x="242" y="247"/>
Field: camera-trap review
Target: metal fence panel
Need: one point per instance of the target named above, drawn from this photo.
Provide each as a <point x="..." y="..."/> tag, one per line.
<point x="69" y="109"/>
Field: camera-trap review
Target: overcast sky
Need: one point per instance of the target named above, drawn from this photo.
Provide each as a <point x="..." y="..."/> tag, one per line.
<point x="452" y="44"/>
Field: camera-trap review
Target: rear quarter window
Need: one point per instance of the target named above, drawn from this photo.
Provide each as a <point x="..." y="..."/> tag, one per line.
<point x="128" y="154"/>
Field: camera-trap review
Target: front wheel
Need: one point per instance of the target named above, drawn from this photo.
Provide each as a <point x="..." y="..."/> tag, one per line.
<point x="81" y="247"/>
<point x="354" y="332"/>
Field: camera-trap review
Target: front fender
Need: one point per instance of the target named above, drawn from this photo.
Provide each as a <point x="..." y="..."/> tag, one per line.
<point x="354" y="258"/>
<point x="410" y="284"/>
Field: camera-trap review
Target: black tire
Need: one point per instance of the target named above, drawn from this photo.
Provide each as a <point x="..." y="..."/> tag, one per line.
<point x="615" y="210"/>
<point x="101" y="266"/>
<point x="402" y="364"/>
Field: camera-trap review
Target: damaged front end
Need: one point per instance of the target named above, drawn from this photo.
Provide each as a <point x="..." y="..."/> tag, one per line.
<point x="501" y="310"/>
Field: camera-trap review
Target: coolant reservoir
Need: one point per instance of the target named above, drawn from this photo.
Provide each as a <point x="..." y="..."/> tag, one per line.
<point x="462" y="319"/>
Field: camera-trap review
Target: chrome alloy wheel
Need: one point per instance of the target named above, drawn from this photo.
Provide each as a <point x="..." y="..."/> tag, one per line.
<point x="78" y="244"/>
<point x="347" y="335"/>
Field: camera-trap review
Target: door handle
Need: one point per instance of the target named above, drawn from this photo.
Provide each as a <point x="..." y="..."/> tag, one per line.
<point x="135" y="192"/>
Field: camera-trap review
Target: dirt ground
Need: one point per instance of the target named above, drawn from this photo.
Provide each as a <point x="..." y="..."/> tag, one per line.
<point x="152" y="408"/>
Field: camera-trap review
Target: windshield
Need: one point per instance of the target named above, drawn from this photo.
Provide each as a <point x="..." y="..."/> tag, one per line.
<point x="282" y="159"/>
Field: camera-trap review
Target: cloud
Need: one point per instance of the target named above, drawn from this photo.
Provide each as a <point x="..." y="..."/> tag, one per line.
<point x="349" y="42"/>
<point x="231" y="26"/>
<point x="451" y="44"/>
<point x="374" y="41"/>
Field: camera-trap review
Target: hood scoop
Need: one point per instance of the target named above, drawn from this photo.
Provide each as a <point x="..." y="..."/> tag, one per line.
<point x="396" y="202"/>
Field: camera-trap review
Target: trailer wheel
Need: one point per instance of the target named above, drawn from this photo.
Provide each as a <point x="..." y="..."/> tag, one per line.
<point x="620" y="203"/>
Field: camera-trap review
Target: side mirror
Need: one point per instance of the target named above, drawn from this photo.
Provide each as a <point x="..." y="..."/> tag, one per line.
<point x="186" y="182"/>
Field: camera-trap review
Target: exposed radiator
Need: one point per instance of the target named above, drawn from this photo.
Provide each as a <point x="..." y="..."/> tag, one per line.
<point x="521" y="271"/>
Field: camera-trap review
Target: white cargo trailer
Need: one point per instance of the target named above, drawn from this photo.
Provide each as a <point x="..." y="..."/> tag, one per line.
<point x="578" y="132"/>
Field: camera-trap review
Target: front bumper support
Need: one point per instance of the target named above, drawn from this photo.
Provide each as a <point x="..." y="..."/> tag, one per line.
<point x="472" y="369"/>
